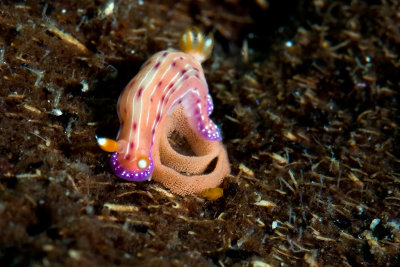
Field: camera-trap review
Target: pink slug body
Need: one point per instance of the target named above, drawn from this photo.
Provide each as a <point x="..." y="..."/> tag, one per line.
<point x="168" y="79"/>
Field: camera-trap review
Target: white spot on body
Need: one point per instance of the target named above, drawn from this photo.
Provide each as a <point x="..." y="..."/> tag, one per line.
<point x="142" y="164"/>
<point x="101" y="141"/>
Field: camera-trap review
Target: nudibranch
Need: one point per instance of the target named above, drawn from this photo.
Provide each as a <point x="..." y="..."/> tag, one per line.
<point x="168" y="80"/>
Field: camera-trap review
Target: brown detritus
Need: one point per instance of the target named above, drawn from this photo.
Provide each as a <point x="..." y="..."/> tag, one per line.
<point x="306" y="94"/>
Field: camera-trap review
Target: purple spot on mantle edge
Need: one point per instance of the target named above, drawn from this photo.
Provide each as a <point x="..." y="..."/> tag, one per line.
<point x="210" y="105"/>
<point x="136" y="176"/>
<point x="213" y="136"/>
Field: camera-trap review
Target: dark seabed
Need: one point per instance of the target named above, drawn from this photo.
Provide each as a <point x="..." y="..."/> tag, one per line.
<point x="307" y="97"/>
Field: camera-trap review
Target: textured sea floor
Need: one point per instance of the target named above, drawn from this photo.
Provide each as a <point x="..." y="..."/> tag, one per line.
<point x="307" y="97"/>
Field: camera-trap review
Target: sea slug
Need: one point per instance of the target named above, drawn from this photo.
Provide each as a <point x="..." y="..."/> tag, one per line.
<point x="170" y="83"/>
